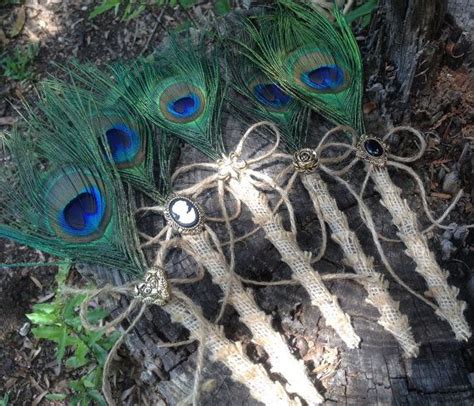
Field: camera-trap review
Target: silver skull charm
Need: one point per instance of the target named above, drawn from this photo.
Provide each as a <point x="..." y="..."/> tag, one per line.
<point x="155" y="289"/>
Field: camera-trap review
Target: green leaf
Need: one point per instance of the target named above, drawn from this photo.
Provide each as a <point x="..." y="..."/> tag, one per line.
<point x="100" y="354"/>
<point x="76" y="386"/>
<point x="79" y="359"/>
<point x="6" y="398"/>
<point x="56" y="396"/>
<point x="102" y="8"/>
<point x="63" y="272"/>
<point x="60" y="351"/>
<point x="134" y="14"/>
<point x="94" y="394"/>
<point x="88" y="383"/>
<point x="47" y="308"/>
<point x="69" y="313"/>
<point x="93" y="316"/>
<point x="81" y="352"/>
<point x="52" y="333"/>
<point x="222" y="6"/>
<point x="42" y="318"/>
<point x="92" y="337"/>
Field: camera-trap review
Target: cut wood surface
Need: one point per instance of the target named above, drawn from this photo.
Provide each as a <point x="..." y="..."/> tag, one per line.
<point x="376" y="373"/>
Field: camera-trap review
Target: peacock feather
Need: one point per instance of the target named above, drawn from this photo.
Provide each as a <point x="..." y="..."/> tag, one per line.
<point x="180" y="92"/>
<point x="71" y="210"/>
<point x="312" y="58"/>
<point x="85" y="123"/>
<point x="266" y="100"/>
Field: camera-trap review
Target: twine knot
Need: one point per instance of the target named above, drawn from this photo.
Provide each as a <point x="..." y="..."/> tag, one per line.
<point x="230" y="166"/>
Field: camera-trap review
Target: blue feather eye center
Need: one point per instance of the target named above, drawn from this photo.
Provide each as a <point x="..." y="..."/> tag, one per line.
<point x="184" y="107"/>
<point x="77" y="205"/>
<point x="84" y="213"/>
<point x="317" y="70"/>
<point x="124" y="143"/>
<point x="179" y="101"/>
<point x="79" y="210"/>
<point x="329" y="77"/>
<point x="270" y="94"/>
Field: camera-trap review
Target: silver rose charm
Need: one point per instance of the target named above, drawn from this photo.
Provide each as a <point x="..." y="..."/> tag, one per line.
<point x="155" y="289"/>
<point x="373" y="150"/>
<point x="305" y="160"/>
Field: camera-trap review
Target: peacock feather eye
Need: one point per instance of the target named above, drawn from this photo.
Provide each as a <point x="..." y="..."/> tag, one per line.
<point x="179" y="101"/>
<point x="126" y="144"/>
<point x="77" y="205"/>
<point x="324" y="78"/>
<point x="316" y="71"/>
<point x="270" y="95"/>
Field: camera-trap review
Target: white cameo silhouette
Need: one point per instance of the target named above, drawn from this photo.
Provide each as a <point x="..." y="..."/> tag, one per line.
<point x="184" y="213"/>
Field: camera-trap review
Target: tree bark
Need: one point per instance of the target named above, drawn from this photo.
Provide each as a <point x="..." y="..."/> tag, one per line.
<point x="405" y="44"/>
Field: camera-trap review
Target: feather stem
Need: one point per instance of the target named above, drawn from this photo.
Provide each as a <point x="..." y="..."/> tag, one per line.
<point x="285" y="243"/>
<point x="377" y="289"/>
<point x="282" y="361"/>
<point x="253" y="376"/>
<point x="404" y="218"/>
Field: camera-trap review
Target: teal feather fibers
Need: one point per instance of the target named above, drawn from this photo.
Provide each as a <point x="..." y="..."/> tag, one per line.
<point x="263" y="99"/>
<point x="111" y="131"/>
<point x="312" y="58"/>
<point x="65" y="209"/>
<point x="181" y="93"/>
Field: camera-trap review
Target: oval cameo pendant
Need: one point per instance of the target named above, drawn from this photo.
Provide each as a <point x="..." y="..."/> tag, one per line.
<point x="184" y="215"/>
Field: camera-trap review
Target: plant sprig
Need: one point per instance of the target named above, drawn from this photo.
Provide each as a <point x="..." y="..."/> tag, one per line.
<point x="76" y="348"/>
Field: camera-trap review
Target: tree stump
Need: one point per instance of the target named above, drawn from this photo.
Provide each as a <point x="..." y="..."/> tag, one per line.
<point x="405" y="41"/>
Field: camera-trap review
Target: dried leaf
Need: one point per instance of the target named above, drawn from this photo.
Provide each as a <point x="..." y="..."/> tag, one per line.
<point x="19" y="23"/>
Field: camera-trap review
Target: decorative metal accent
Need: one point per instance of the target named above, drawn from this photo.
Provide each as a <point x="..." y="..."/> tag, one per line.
<point x="155" y="288"/>
<point x="305" y="160"/>
<point x="185" y="215"/>
<point x="372" y="149"/>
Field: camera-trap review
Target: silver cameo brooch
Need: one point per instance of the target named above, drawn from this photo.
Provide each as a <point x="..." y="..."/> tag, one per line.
<point x="184" y="215"/>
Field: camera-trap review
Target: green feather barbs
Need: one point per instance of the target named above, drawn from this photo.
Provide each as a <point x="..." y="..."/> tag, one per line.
<point x="311" y="58"/>
<point x="180" y="93"/>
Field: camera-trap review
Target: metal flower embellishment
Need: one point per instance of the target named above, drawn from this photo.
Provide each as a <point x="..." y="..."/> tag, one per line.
<point x="373" y="150"/>
<point x="155" y="288"/>
<point x="305" y="160"/>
